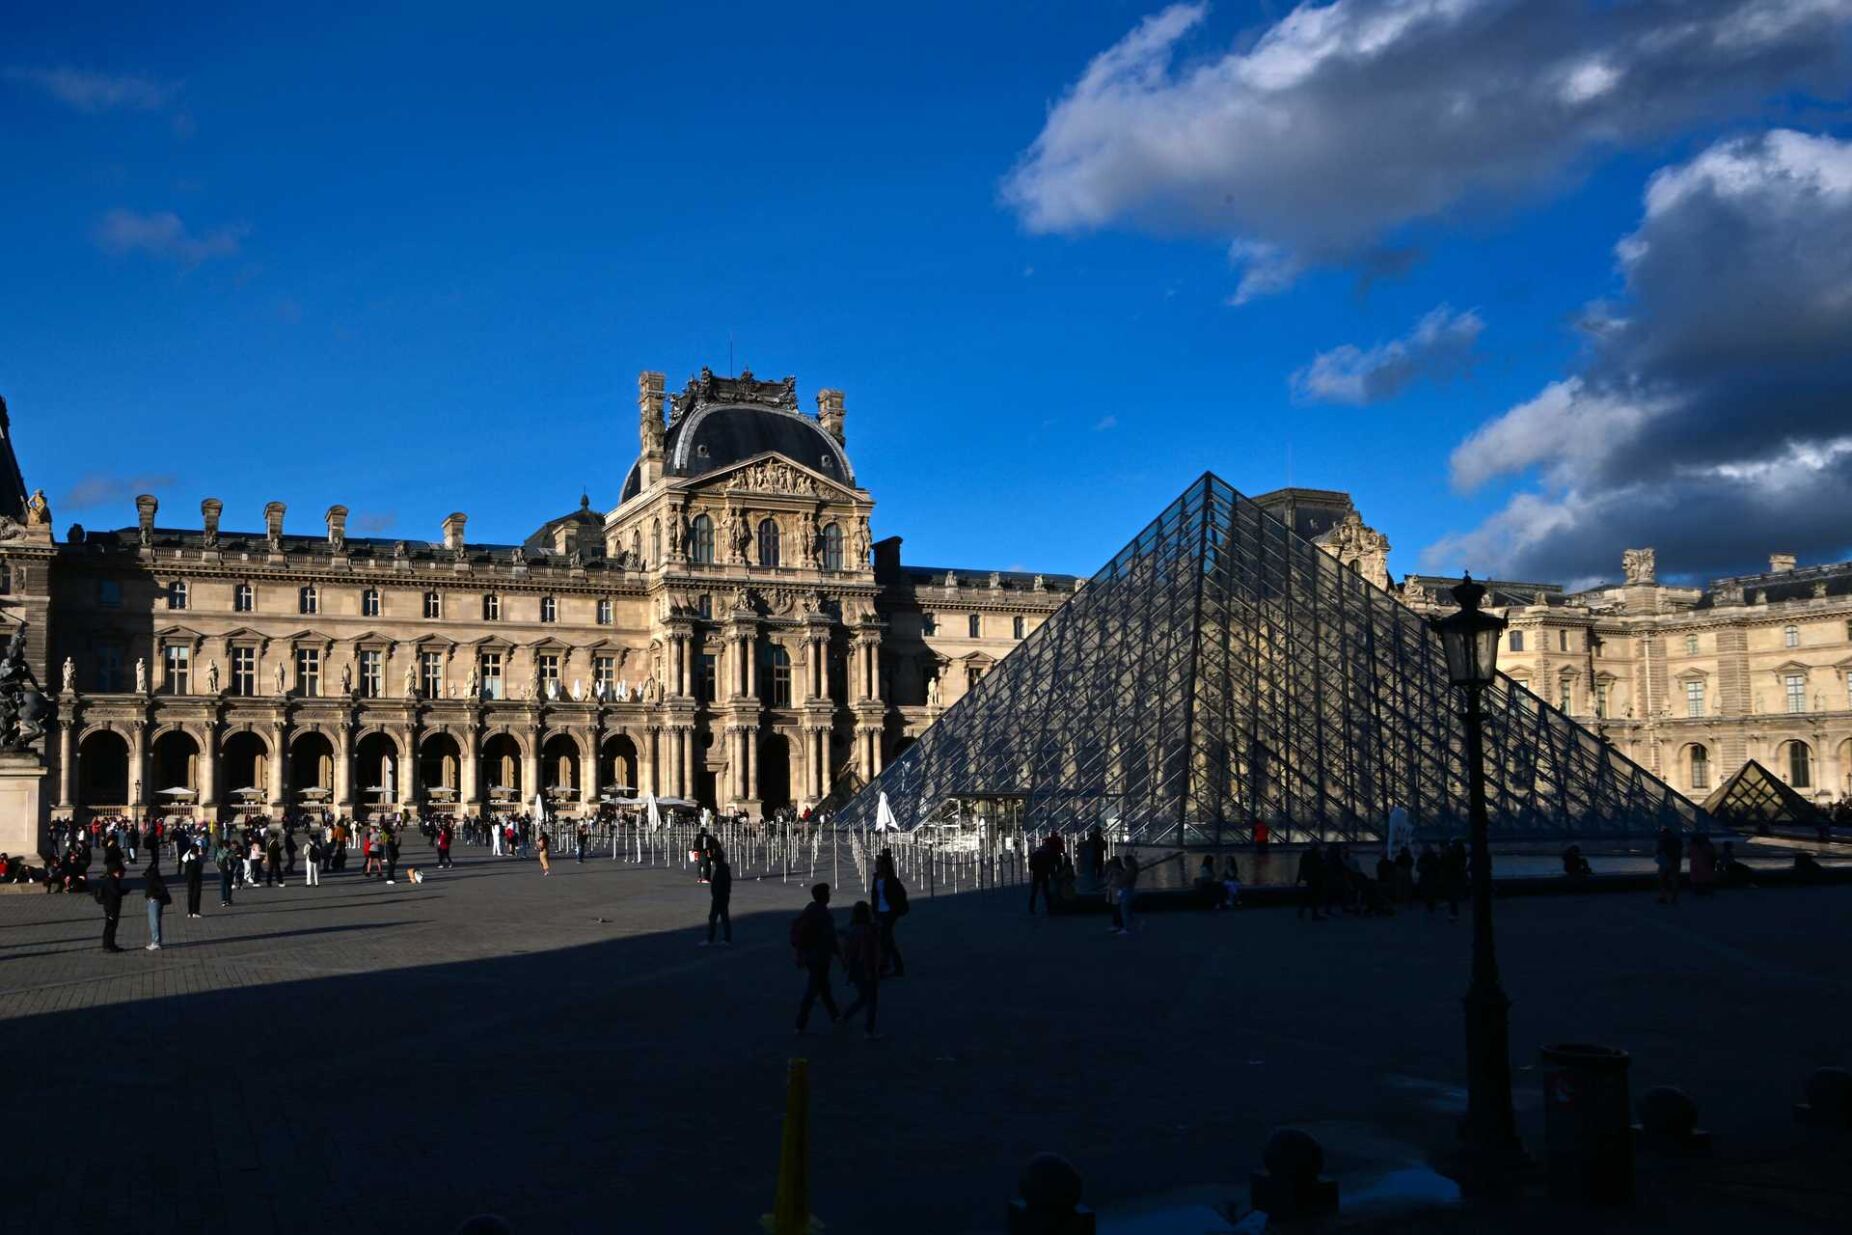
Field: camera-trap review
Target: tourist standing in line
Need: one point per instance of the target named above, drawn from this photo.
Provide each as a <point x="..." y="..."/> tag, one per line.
<point x="190" y="863"/>
<point x="813" y="938"/>
<point x="110" y="896"/>
<point x="720" y="894"/>
<point x="155" y="889"/>
<point x="541" y="848"/>
<point x="1669" y="857"/>
<point x="1312" y="878"/>
<point x="890" y="906"/>
<point x="861" y="955"/>
<point x="1453" y="876"/>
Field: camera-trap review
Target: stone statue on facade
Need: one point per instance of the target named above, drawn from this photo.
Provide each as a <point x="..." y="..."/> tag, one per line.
<point x="932" y="691"/>
<point x="141" y="676"/>
<point x="739" y="535"/>
<point x="864" y="543"/>
<point x="347" y="679"/>
<point x="807" y="538"/>
<point x="212" y="677"/>
<point x="70" y="675"/>
<point x="472" y="689"/>
<point x="1637" y="565"/>
<point x="282" y="686"/>
<point x="24" y="709"/>
<point x="411" y="682"/>
<point x="38" y="510"/>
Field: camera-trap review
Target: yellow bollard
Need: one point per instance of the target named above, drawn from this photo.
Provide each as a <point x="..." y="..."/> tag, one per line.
<point x="791" y="1207"/>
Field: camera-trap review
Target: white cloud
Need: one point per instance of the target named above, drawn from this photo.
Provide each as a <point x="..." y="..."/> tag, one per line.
<point x="1439" y="348"/>
<point x="1312" y="140"/>
<point x="163" y="234"/>
<point x="97" y="92"/>
<point x="1104" y="423"/>
<point x="1710" y="416"/>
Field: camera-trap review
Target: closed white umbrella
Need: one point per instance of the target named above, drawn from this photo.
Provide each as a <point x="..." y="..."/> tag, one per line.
<point x="655" y="816"/>
<point x="884" y="815"/>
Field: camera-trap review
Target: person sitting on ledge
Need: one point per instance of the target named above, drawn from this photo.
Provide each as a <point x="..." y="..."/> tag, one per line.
<point x="1208" y="887"/>
<point x="1231" y="884"/>
<point x="1575" y="865"/>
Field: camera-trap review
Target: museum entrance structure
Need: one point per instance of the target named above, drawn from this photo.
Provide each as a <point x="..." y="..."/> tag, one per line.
<point x="1223" y="672"/>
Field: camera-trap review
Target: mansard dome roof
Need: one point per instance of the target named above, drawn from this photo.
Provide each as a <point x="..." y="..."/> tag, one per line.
<point x="717" y="422"/>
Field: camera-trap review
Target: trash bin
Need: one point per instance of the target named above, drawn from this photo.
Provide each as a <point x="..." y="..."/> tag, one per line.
<point x="1588" y="1137"/>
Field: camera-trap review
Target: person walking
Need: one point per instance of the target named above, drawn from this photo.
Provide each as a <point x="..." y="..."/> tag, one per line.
<point x="155" y="889"/>
<point x="443" y="846"/>
<point x="223" y="858"/>
<point x="1041" y="870"/>
<point x="110" y="897"/>
<point x="542" y="846"/>
<point x="813" y="940"/>
<point x="1669" y="857"/>
<point x="861" y="955"/>
<point x="194" y="870"/>
<point x="273" y="862"/>
<point x="582" y="834"/>
<point x="720" y="894"/>
<point x="312" y="862"/>
<point x="1311" y="877"/>
<point x="890" y="906"/>
<point x="387" y="846"/>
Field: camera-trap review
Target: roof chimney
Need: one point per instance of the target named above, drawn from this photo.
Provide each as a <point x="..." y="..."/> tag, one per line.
<point x="209" y="510"/>
<point x="453" y="530"/>
<point x="337" y="527"/>
<point x="649" y="426"/>
<point x="1780" y="563"/>
<point x="273" y="525"/>
<point x="145" y="506"/>
<point x="830" y="414"/>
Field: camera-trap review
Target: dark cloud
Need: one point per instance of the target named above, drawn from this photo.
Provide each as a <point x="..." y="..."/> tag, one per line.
<point x="1439" y="348"/>
<point x="1310" y="142"/>
<point x="1712" y="417"/>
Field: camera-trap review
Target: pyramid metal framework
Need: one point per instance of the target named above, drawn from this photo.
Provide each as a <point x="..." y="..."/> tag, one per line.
<point x="1756" y="800"/>
<point x="1223" y="671"/>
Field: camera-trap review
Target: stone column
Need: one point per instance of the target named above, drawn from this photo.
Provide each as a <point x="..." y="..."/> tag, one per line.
<point x="751" y="748"/>
<point x="138" y="767"/>
<point x="829" y="764"/>
<point x="279" y="769"/>
<point x="209" y="774"/>
<point x="647" y="780"/>
<point x="66" y="770"/>
<point x="469" y="792"/>
<point x="344" y="768"/>
<point x="686" y="778"/>
<point x="407" y="784"/>
<point x="530" y="763"/>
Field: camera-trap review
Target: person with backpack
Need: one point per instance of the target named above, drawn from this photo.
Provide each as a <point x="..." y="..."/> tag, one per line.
<point x="861" y="955"/>
<point x="155" y="889"/>
<point x="889" y="906"/>
<point x="814" y="946"/>
<point x="720" y="894"/>
<point x="312" y="862"/>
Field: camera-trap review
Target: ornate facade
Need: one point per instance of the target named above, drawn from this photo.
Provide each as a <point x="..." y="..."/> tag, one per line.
<point x="731" y="632"/>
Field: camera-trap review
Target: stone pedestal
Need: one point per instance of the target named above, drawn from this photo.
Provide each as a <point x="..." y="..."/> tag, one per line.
<point x="23" y="816"/>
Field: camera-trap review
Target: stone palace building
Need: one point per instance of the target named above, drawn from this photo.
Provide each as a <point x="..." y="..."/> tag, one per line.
<point x="731" y="632"/>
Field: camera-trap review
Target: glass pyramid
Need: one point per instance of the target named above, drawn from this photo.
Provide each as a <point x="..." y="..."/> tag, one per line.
<point x="1222" y="672"/>
<point x="1755" y="800"/>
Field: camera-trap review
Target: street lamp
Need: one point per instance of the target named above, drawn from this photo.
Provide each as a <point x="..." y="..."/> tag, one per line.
<point x="1490" y="1131"/>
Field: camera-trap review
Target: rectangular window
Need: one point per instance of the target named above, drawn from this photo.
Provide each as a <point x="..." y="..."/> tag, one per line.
<point x="604" y="612"/>
<point x="244" y="599"/>
<point x="244" y="671"/>
<point x="1797" y="692"/>
<point x="705" y="678"/>
<point x="549" y="609"/>
<point x="1849" y="690"/>
<point x="929" y="625"/>
<point x="433" y="605"/>
<point x="372" y="674"/>
<point x="491" y="663"/>
<point x="1691" y="645"/>
<point x="975" y="626"/>
<point x="431" y="674"/>
<point x="108" y="593"/>
<point x="1694" y="698"/>
<point x="604" y="674"/>
<point x="549" y="671"/>
<point x="1516" y="640"/>
<point x="971" y="676"/>
<point x="1562" y="641"/>
<point x="1016" y="626"/>
<point x="308" y="601"/>
<point x="369" y="603"/>
<point x="707" y="605"/>
<point x="176" y="594"/>
<point x="109" y="676"/>
<point x="309" y="672"/>
<point x="179" y="662"/>
<point x="491" y="608"/>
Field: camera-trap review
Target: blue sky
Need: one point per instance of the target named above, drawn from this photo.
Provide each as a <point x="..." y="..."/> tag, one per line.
<point x="412" y="262"/>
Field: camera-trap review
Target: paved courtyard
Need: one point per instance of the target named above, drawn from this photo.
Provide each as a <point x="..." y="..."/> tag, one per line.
<point x="361" y="1057"/>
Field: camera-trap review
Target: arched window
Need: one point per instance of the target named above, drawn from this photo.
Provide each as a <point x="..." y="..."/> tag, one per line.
<point x="491" y="608"/>
<point x="369" y="603"/>
<point x="701" y="540"/>
<point x="1700" y="768"/>
<point x="1791" y="636"/>
<point x="636" y="544"/>
<point x="1800" y="765"/>
<point x="768" y="542"/>
<point x="176" y="594"/>
<point x="778" y="680"/>
<point x="244" y="599"/>
<point x="308" y="600"/>
<point x="655" y="541"/>
<point x="832" y="547"/>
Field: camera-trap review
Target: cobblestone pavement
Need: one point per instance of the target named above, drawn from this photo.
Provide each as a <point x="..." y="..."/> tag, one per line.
<point x="361" y="1057"/>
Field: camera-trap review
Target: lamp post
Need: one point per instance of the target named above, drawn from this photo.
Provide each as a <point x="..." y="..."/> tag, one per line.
<point x="1490" y="1130"/>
